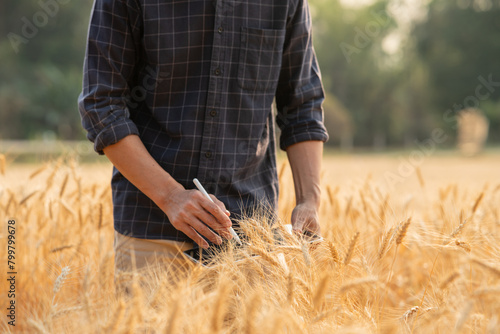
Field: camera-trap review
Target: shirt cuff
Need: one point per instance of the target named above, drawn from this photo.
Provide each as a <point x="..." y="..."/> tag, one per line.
<point x="318" y="133"/>
<point x="113" y="133"/>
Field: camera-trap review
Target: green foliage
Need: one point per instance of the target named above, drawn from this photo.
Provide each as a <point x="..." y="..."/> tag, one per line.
<point x="42" y="56"/>
<point x="492" y="111"/>
<point x="400" y="98"/>
<point x="355" y="67"/>
<point x="459" y="44"/>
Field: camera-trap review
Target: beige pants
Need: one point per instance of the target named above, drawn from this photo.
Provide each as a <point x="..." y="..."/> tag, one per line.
<point x="141" y="255"/>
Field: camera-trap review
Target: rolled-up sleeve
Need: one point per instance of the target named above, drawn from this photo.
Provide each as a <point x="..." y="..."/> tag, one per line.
<point x="299" y="94"/>
<point x="109" y="65"/>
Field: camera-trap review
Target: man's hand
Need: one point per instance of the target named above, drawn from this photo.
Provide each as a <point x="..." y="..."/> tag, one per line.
<point x="187" y="210"/>
<point x="305" y="217"/>
<point x="305" y="161"/>
<point x="190" y="212"/>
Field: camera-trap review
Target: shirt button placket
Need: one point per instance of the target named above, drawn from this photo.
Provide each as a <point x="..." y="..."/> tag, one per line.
<point x="209" y="139"/>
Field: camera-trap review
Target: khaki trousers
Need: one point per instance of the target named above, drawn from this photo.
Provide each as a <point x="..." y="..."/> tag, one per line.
<point x="148" y="255"/>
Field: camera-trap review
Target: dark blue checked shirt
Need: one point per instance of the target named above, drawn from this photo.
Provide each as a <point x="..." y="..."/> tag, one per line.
<point x="195" y="79"/>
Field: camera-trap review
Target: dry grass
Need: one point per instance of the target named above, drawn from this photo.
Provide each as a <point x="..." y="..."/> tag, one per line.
<point x="420" y="256"/>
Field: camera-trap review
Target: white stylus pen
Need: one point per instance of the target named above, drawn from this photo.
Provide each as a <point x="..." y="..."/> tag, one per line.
<point x="204" y="192"/>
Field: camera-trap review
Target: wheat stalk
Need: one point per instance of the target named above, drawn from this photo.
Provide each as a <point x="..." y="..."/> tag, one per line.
<point x="218" y="308"/>
<point x="60" y="281"/>
<point x="173" y="320"/>
<point x="358" y="282"/>
<point x="37" y="171"/>
<point x="305" y="254"/>
<point x="304" y="285"/>
<point x="99" y="217"/>
<point x="402" y="231"/>
<point x="382" y="208"/>
<point x="485" y="265"/>
<point x="38" y="326"/>
<point x="323" y="315"/>
<point x="420" y="177"/>
<point x="459" y="229"/>
<point x="2" y="164"/>
<point x="66" y="311"/>
<point x="320" y="292"/>
<point x="463" y="315"/>
<point x="116" y="319"/>
<point x="331" y="194"/>
<point x="348" y="207"/>
<point x="290" y="287"/>
<point x="264" y="255"/>
<point x="478" y="201"/>
<point x="333" y="252"/>
<point x="250" y="313"/>
<point x="410" y="313"/>
<point x="50" y="179"/>
<point x="464" y="245"/>
<point x="487" y="290"/>
<point x="58" y="249"/>
<point x="27" y="197"/>
<point x="385" y="242"/>
<point x="63" y="186"/>
<point x="449" y="280"/>
<point x="350" y="249"/>
<point x="9" y="202"/>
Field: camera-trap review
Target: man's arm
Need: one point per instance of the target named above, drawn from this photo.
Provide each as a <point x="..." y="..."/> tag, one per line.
<point x="187" y="210"/>
<point x="305" y="161"/>
<point x="299" y="97"/>
<point x="109" y="71"/>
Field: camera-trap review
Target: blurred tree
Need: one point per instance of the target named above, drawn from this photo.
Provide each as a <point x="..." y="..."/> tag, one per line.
<point x="42" y="52"/>
<point x="459" y="43"/>
<point x="354" y="65"/>
<point x="339" y="123"/>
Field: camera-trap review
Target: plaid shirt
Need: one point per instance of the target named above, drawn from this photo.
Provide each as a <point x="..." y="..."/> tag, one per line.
<point x="196" y="79"/>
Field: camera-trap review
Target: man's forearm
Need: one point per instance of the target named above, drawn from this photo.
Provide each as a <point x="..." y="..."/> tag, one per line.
<point x="188" y="210"/>
<point x="132" y="159"/>
<point x="305" y="161"/>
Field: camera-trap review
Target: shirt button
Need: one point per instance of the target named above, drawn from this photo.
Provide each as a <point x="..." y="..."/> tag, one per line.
<point x="217" y="71"/>
<point x="220" y="30"/>
<point x="213" y="112"/>
<point x="208" y="154"/>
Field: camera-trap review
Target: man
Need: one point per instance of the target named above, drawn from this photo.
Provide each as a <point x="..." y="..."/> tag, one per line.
<point x="176" y="90"/>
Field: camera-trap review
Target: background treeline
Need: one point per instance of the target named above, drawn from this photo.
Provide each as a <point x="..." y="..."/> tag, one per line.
<point x="392" y="74"/>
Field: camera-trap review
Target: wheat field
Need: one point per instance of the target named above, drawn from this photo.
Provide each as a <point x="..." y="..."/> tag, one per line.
<point x="407" y="249"/>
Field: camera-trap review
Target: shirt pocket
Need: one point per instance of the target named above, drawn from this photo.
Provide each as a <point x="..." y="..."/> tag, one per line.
<point x="260" y="58"/>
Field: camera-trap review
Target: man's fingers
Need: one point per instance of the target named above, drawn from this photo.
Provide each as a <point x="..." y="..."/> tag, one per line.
<point x="314" y="228"/>
<point x="305" y="219"/>
<point x="197" y="216"/>
<point x="312" y="225"/>
<point x="297" y="223"/>
<point x="201" y="228"/>
<point x="218" y="202"/>
<point x="220" y="205"/>
<point x="209" y="220"/>
<point x="193" y="235"/>
<point x="217" y="212"/>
